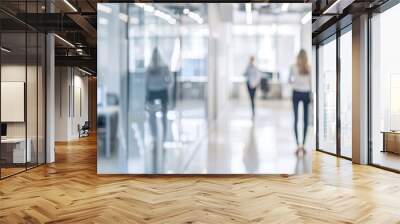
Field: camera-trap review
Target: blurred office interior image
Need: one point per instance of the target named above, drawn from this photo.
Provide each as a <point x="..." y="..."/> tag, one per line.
<point x="174" y="88"/>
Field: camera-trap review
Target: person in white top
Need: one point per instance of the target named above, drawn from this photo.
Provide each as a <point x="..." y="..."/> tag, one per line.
<point x="300" y="79"/>
<point x="253" y="78"/>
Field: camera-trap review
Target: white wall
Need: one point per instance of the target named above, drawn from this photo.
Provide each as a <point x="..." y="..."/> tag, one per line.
<point x="33" y="105"/>
<point x="12" y="73"/>
<point x="70" y="83"/>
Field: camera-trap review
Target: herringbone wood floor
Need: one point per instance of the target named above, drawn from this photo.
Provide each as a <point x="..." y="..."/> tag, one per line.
<point x="69" y="191"/>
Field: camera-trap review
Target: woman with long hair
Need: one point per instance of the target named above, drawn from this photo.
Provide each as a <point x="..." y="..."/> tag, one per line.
<point x="300" y="78"/>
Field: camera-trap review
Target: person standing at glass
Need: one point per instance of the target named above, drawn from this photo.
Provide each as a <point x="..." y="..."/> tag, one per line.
<point x="300" y="79"/>
<point x="253" y="78"/>
<point x="158" y="80"/>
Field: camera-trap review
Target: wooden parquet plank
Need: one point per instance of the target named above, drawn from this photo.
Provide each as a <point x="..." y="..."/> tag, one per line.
<point x="70" y="191"/>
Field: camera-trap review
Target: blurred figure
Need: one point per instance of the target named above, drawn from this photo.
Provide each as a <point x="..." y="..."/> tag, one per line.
<point x="253" y="78"/>
<point x="158" y="80"/>
<point x="300" y="78"/>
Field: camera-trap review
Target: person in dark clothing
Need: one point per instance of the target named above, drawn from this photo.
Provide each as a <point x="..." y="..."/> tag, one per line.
<point x="158" y="80"/>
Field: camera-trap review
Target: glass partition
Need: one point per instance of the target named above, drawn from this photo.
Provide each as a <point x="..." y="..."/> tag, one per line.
<point x="22" y="92"/>
<point x="346" y="94"/>
<point x="31" y="97"/>
<point x="385" y="89"/>
<point x="14" y="146"/>
<point x="327" y="97"/>
<point x="151" y="88"/>
<point x="41" y="97"/>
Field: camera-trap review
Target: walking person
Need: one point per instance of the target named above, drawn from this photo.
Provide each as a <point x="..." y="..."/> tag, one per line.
<point x="300" y="79"/>
<point x="158" y="80"/>
<point x="253" y="78"/>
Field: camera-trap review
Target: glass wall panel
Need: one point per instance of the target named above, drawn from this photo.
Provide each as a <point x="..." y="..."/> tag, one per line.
<point x="31" y="97"/>
<point x="14" y="146"/>
<point x="346" y="94"/>
<point x="41" y="87"/>
<point x="385" y="84"/>
<point x="22" y="91"/>
<point x="327" y="97"/>
<point x="113" y="88"/>
<point x="151" y="88"/>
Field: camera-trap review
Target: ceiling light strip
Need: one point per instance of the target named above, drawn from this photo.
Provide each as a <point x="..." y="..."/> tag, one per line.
<point x="306" y="18"/>
<point x="331" y="6"/>
<point x="65" y="41"/>
<point x="70" y="5"/>
<point x="5" y="50"/>
<point x="103" y="8"/>
<point x="160" y="14"/>
<point x="194" y="16"/>
<point x="84" y="71"/>
<point x="165" y="16"/>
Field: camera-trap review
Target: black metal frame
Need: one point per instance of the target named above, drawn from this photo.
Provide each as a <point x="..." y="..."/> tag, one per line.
<point x="334" y="37"/>
<point x="338" y="96"/>
<point x="316" y="97"/>
<point x="369" y="90"/>
<point x="328" y="39"/>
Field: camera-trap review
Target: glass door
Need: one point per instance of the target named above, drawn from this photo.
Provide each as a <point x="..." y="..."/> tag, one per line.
<point x="327" y="97"/>
<point x="346" y="94"/>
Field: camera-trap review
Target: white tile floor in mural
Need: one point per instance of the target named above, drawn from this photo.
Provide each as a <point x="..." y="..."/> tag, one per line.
<point x="234" y="144"/>
<point x="237" y="144"/>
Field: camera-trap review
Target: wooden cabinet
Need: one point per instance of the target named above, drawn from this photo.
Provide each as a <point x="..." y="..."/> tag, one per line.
<point x="391" y="142"/>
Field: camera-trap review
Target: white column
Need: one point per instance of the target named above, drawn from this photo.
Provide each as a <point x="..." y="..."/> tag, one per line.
<point x="360" y="90"/>
<point x="50" y="99"/>
<point x="220" y="63"/>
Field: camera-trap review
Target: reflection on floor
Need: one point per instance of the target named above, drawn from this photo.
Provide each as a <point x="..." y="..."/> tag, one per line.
<point x="234" y="144"/>
<point x="386" y="159"/>
<point x="266" y="145"/>
<point x="7" y="171"/>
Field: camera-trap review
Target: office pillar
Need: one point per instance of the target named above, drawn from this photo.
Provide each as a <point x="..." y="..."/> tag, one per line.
<point x="220" y="60"/>
<point x="50" y="99"/>
<point x="212" y="85"/>
<point x="360" y="90"/>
